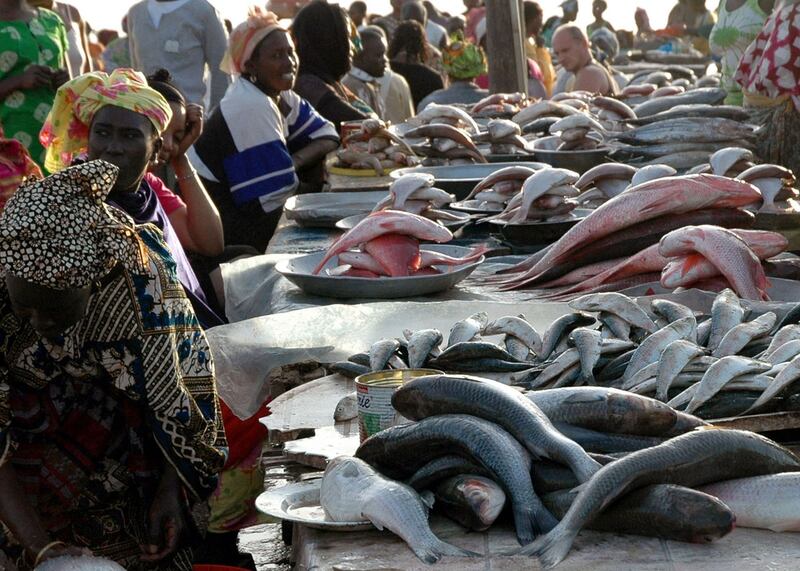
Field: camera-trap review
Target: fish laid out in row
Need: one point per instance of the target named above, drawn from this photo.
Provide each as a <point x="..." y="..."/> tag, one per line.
<point x="500" y="104"/>
<point x="415" y="193"/>
<point x="474" y="445"/>
<point x="546" y="195"/>
<point x="375" y="146"/>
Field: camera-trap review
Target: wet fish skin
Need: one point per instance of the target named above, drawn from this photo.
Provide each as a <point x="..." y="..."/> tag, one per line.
<point x="737" y="338"/>
<point x="587" y="342"/>
<point x="518" y="327"/>
<point x="606" y="442"/>
<point x="785" y="378"/>
<point x="618" y="304"/>
<point x="733" y="112"/>
<point x="466" y="350"/>
<point x="616" y="368"/>
<point x="618" y="327"/>
<point x="784" y="334"/>
<point x="517" y="348"/>
<point x="792" y="317"/>
<point x="726" y="313"/>
<point x="352" y="491"/>
<point x="346" y="408"/>
<point x="766" y="502"/>
<point x="651" y="348"/>
<point x="467" y="329"/>
<point x="428" y="396"/>
<point x="380" y="352"/>
<point x="348" y="369"/>
<point x="690" y="460"/>
<point x="420" y="345"/>
<point x="706" y="95"/>
<point x="472" y="501"/>
<point x="784" y="353"/>
<point x="442" y="468"/>
<point x="673" y="361"/>
<point x="405" y="447"/>
<point x="560" y="328"/>
<point x="483" y="365"/>
<point x="721" y="373"/>
<point x="670" y="310"/>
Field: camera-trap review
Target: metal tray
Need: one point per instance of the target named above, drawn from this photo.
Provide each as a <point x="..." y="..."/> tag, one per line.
<point x="578" y="161"/>
<point x="461" y="179"/>
<point x="298" y="271"/>
<point x="473" y="207"/>
<point x="349" y="222"/>
<point x="325" y="209"/>
<point x="538" y="232"/>
<point x="299" y="503"/>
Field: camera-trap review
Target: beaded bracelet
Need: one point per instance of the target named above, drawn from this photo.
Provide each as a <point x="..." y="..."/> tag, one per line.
<point x="44" y="550"/>
<point x="192" y="174"/>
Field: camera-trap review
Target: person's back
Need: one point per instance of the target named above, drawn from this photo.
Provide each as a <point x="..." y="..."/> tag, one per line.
<point x="182" y="36"/>
<point x="579" y="69"/>
<point x="458" y="92"/>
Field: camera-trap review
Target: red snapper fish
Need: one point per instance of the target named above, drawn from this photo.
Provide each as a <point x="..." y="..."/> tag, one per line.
<point x="386" y="222"/>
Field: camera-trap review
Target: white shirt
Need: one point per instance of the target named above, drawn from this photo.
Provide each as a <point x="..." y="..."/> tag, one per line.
<point x="435" y="33"/>
<point x="158" y="9"/>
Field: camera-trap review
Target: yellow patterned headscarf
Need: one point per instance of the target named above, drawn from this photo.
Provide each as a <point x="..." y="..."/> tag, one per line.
<point x="246" y="37"/>
<point x="66" y="132"/>
<point x="463" y="60"/>
<point x="58" y="232"/>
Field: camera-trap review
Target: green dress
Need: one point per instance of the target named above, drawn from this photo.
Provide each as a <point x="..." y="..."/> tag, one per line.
<point x="41" y="41"/>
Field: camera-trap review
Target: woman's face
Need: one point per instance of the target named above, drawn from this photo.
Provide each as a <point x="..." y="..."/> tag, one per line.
<point x="274" y="63"/>
<point x="50" y="312"/>
<point x="173" y="134"/>
<point x="125" y="139"/>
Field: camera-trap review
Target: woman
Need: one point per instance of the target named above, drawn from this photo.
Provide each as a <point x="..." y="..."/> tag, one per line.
<point x="322" y="35"/>
<point x="407" y="52"/>
<point x="16" y="166"/>
<point x="534" y="44"/>
<point x="263" y="139"/>
<point x="78" y="50"/>
<point x="119" y="119"/>
<point x="32" y="67"/>
<point x="463" y="62"/>
<point x="108" y="413"/>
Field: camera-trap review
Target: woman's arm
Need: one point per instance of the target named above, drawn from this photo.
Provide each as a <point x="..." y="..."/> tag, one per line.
<point x="33" y="77"/>
<point x="312" y="153"/>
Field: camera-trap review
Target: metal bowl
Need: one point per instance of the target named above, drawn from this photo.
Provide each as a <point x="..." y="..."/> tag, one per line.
<point x="461" y="179"/>
<point x="474" y="207"/>
<point x="299" y="272"/>
<point x="534" y="233"/>
<point x="578" y="161"/>
<point x="349" y="222"/>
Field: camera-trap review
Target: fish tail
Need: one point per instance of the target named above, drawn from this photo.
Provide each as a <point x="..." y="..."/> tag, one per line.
<point x="444" y="548"/>
<point x="531" y="522"/>
<point x="550" y="549"/>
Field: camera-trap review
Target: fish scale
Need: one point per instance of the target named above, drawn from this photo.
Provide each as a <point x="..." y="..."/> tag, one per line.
<point x="691" y="460"/>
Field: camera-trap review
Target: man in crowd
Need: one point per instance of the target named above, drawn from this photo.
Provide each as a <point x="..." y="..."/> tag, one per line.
<point x="358" y="12"/>
<point x="415" y="10"/>
<point x="368" y="65"/>
<point x="570" y="10"/>
<point x="534" y="44"/>
<point x="391" y="21"/>
<point x="580" y="70"/>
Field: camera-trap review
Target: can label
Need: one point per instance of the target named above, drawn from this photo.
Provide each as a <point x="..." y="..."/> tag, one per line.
<point x="375" y="410"/>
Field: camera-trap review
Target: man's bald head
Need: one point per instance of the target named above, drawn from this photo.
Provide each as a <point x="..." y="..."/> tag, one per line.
<point x="571" y="47"/>
<point x="414" y="10"/>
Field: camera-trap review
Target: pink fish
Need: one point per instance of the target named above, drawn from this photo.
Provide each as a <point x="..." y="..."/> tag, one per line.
<point x="397" y="254"/>
<point x="361" y="261"/>
<point x="728" y="252"/>
<point x="430" y="258"/>
<point x="651" y="199"/>
<point x="386" y="222"/>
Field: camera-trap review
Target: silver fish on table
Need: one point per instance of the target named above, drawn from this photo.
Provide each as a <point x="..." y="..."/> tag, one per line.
<point x="651" y="348"/>
<point x="442" y="468"/>
<point x="352" y="490"/>
<point x="691" y="460"/>
<point x="473" y="501"/>
<point x="726" y="313"/>
<point x="467" y="329"/>
<point x="428" y="396"/>
<point x="587" y="342"/>
<point x="741" y="335"/>
<point x="561" y="328"/>
<point x="402" y="448"/>
<point x="518" y="327"/>
<point x="618" y="304"/>
<point x="380" y="352"/>
<point x="346" y="408"/>
<point x="721" y="373"/>
<point x="421" y="344"/>
<point x="784" y="379"/>
<point x="676" y="356"/>
<point x="606" y="442"/>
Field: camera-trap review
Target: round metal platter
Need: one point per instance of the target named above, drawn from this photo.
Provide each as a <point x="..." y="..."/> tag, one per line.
<point x="349" y="222"/>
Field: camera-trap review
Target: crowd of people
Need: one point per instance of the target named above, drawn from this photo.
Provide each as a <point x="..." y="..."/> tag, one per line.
<point x="132" y="166"/>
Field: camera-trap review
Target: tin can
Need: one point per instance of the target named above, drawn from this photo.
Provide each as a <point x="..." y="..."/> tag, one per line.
<point x="347" y="128"/>
<point x="374" y="395"/>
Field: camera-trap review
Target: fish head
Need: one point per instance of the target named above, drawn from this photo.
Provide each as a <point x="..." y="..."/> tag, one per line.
<point x="347" y="468"/>
<point x="484" y="496"/>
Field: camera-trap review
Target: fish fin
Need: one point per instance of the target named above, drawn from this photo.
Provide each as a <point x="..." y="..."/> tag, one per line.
<point x="444" y="548"/>
<point x="428" y="499"/>
<point x="550" y="549"/>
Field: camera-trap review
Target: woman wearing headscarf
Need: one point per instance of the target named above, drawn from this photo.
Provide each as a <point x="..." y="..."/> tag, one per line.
<point x="264" y="138"/>
<point x="463" y="62"/>
<point x="109" y="422"/>
<point x="120" y="119"/>
<point x="33" y="47"/>
<point x="407" y="54"/>
<point x="322" y="35"/>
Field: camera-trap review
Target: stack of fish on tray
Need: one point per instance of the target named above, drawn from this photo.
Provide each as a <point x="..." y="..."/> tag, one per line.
<point x="500" y="104"/>
<point x="415" y="193"/>
<point x="448" y="131"/>
<point x="617" y="245"/>
<point x="374" y="146"/>
<point x="476" y="444"/>
<point x="684" y="129"/>
<point x="504" y="138"/>
<point x="386" y="244"/>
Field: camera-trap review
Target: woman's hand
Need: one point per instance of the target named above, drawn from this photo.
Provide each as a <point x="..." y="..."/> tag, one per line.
<point x="59" y="77"/>
<point x="166" y="520"/>
<point x="194" y="128"/>
<point x="36" y="76"/>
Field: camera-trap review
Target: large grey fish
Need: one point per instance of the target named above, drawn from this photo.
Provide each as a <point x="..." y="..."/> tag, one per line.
<point x="587" y="342"/>
<point x="662" y="150"/>
<point x="467" y="329"/>
<point x="473" y="501"/>
<point x="427" y="396"/>
<point x="346" y="408"/>
<point x="618" y="304"/>
<point x="351" y="490"/>
<point x="420" y="345"/>
<point x="561" y="328"/>
<point x="673" y="360"/>
<point x="662" y="510"/>
<point x="614" y="324"/>
<point x="693" y="459"/>
<point x="696" y="130"/>
<point x="726" y="313"/>
<point x="651" y="348"/>
<point x="380" y="353"/>
<point x="766" y="502"/>
<point x="784" y="353"/>
<point x="481" y="365"/>
<point x="697" y="110"/>
<point x="606" y="442"/>
<point x="670" y="310"/>
<point x="721" y="373"/>
<point x="786" y="377"/>
<point x="404" y="448"/>
<point x="517" y="348"/>
<point x="740" y="335"/>
<point x="612" y="410"/>
<point x="442" y="468"/>
<point x="704" y="95"/>
<point x="473" y="350"/>
<point x="785" y="334"/>
<point x="348" y="369"/>
<point x="517" y="327"/>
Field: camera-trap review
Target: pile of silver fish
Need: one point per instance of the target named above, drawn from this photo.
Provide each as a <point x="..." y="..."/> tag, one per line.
<point x="475" y="445"/>
<point x="499" y="104"/>
<point x="504" y="138"/>
<point x="386" y="244"/>
<point x="415" y="193"/>
<point x="374" y="146"/>
<point x="444" y="134"/>
<point x="546" y="195"/>
<point x="621" y="229"/>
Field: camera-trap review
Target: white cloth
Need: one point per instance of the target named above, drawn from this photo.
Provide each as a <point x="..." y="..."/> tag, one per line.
<point x="398" y="105"/>
<point x="435" y="33"/>
<point x="157" y="9"/>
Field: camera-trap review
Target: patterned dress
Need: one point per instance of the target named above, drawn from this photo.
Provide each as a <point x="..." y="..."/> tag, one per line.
<point x="89" y="420"/>
<point x="42" y="41"/>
